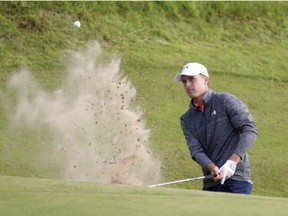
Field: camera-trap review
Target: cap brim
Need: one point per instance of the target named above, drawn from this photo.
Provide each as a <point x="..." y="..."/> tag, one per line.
<point x="178" y="77"/>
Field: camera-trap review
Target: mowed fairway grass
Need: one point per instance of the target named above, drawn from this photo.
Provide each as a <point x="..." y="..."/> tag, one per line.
<point x="30" y="196"/>
<point x="244" y="46"/>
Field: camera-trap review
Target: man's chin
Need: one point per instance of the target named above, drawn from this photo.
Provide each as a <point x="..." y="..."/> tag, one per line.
<point x="191" y="95"/>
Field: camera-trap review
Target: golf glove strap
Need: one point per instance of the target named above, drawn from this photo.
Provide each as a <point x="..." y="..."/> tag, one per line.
<point x="228" y="170"/>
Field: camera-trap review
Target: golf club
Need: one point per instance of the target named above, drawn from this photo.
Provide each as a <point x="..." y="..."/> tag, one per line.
<point x="184" y="180"/>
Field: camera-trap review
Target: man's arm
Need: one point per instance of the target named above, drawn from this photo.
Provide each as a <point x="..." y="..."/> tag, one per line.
<point x="241" y="119"/>
<point x="196" y="150"/>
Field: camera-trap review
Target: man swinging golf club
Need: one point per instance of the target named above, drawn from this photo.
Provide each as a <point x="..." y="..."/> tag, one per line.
<point x="219" y="131"/>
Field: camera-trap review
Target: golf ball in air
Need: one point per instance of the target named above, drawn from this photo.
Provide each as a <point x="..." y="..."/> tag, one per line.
<point x="77" y="24"/>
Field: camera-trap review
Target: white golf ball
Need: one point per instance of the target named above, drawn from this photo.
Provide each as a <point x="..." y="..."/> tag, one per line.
<point x="77" y="24"/>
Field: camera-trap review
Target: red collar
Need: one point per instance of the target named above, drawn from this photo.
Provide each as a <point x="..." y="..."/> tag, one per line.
<point x="198" y="106"/>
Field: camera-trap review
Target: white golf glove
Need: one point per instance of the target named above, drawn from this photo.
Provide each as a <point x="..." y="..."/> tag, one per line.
<point x="228" y="170"/>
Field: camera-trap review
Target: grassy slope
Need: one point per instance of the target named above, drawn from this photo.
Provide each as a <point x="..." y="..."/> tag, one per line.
<point x="55" y="197"/>
<point x="245" y="56"/>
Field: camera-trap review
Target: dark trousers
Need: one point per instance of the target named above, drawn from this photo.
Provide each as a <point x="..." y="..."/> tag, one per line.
<point x="232" y="186"/>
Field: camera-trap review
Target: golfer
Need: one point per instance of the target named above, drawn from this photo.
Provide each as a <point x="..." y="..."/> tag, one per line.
<point x="219" y="131"/>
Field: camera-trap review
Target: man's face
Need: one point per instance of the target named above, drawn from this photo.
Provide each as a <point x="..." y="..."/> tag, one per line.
<point x="195" y="86"/>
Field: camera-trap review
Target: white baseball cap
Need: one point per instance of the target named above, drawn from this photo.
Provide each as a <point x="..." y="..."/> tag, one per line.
<point x="192" y="69"/>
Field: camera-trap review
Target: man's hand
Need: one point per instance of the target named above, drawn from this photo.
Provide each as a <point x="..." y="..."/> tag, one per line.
<point x="214" y="170"/>
<point x="227" y="170"/>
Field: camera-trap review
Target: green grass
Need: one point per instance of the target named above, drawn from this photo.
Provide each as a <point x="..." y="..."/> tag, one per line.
<point x="55" y="197"/>
<point x="244" y="46"/>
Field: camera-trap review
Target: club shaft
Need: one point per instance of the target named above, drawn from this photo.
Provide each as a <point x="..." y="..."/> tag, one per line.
<point x="183" y="180"/>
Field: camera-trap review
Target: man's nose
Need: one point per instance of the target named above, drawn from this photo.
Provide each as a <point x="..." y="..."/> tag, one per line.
<point x="188" y="83"/>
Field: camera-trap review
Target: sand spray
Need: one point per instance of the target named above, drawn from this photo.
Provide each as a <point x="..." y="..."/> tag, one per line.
<point x="89" y="128"/>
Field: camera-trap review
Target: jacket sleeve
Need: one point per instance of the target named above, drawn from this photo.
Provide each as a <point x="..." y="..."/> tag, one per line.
<point x="196" y="150"/>
<point x="242" y="120"/>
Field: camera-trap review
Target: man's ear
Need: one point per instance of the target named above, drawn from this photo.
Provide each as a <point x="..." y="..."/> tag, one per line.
<point x="206" y="80"/>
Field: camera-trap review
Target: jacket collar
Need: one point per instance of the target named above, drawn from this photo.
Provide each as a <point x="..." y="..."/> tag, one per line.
<point x="206" y="98"/>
